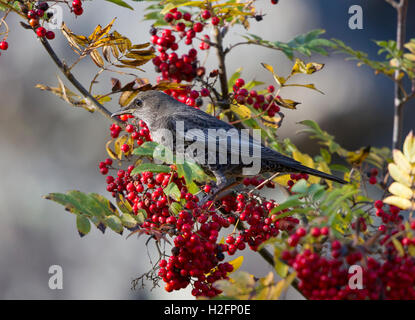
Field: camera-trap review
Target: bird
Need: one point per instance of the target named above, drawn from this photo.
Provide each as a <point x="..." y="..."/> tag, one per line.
<point x="162" y="113"/>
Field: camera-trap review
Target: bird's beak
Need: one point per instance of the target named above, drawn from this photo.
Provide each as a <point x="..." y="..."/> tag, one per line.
<point x="121" y="112"/>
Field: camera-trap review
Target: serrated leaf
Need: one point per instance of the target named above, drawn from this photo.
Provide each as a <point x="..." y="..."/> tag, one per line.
<point x="150" y="167"/>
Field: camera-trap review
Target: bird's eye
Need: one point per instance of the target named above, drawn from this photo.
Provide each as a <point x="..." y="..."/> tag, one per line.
<point x="138" y="102"/>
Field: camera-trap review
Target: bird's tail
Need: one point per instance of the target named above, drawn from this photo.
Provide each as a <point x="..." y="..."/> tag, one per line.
<point x="303" y="169"/>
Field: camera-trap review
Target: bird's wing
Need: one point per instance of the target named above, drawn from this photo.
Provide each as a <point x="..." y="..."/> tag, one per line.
<point x="205" y="129"/>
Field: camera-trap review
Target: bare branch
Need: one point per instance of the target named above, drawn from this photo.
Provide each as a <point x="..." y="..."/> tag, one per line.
<point x="400" y="100"/>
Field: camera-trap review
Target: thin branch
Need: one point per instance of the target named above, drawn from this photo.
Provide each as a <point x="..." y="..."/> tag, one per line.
<point x="65" y="70"/>
<point x="399" y="101"/>
<point x="393" y="3"/>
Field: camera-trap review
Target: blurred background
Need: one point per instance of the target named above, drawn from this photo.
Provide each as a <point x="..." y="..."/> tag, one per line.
<point x="48" y="146"/>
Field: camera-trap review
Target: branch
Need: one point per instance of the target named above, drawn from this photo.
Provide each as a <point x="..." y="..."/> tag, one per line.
<point x="65" y="70"/>
<point x="399" y="101"/>
<point x="249" y="42"/>
<point x="393" y="3"/>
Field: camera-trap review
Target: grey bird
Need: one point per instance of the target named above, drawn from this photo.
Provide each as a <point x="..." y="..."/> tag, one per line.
<point x="161" y="111"/>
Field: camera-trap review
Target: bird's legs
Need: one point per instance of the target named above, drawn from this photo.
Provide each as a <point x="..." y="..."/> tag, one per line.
<point x="222" y="188"/>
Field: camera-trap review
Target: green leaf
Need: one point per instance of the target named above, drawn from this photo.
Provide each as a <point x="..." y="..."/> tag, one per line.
<point x="175" y="208"/>
<point x="114" y="223"/>
<point x="300" y="187"/>
<point x="291" y="202"/>
<point x="129" y="221"/>
<point x="144" y="167"/>
<point x="172" y="190"/>
<point x="83" y="225"/>
<point x="146" y="149"/>
<point x="121" y="3"/>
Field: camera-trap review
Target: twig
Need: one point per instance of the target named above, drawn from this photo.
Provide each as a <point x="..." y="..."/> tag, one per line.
<point x="399" y="101"/>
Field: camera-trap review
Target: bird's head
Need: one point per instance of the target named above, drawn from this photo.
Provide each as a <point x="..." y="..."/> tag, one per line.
<point x="145" y="106"/>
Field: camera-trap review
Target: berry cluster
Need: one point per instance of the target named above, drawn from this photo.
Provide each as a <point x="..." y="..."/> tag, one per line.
<point x="197" y="255"/>
<point x="323" y="268"/>
<point x="258" y="101"/>
<point x="77" y="7"/>
<point x="373" y="176"/>
<point x="176" y="68"/>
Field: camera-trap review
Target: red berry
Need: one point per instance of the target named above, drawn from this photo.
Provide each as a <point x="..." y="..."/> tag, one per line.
<point x="78" y="11"/>
<point x="41" y="32"/>
<point x="315" y="232"/>
<point x="240" y="82"/>
<point x="378" y="204"/>
<point x="4" y="45"/>
<point x="215" y="21"/>
<point x="271" y="89"/>
<point x="373" y="180"/>
<point x="77" y="3"/>
<point x="125" y="147"/>
<point x="187" y="16"/>
<point x="206" y="14"/>
<point x="50" y="35"/>
<point x="198" y="27"/>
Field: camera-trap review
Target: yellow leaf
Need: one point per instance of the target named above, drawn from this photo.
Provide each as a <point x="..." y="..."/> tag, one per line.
<point x="398" y="175"/>
<point x="409" y="56"/>
<point x="398" y="246"/>
<point x="409" y="147"/>
<point x="357" y="157"/>
<point x="411" y="250"/>
<point x="236" y="263"/>
<point x="282" y="180"/>
<point x="306" y="160"/>
<point x="96" y="57"/>
<point x="280" y="267"/>
<point x="118" y="143"/>
<point x="110" y="152"/>
<point x="278" y="79"/>
<point x="274" y="122"/>
<point x="410" y="46"/>
<point x="401" y="161"/>
<point x="309" y="68"/>
<point x="99" y="32"/>
<point x="399" y="202"/>
<point x="243" y="111"/>
<point x="323" y="166"/>
<point x="283" y="285"/>
<point x="400" y="190"/>
<point x="286" y="103"/>
<point x="309" y="86"/>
